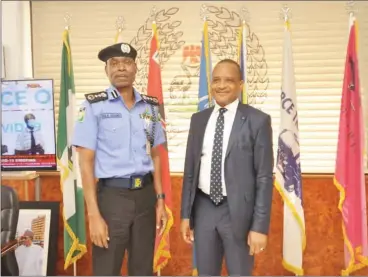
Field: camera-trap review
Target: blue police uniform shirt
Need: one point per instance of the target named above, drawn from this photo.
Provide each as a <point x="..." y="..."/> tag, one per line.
<point x="117" y="135"/>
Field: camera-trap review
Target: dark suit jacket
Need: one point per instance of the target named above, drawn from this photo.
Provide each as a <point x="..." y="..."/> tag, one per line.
<point x="248" y="169"/>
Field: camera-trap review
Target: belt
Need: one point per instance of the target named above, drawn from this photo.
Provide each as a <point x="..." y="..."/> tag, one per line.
<point x="205" y="195"/>
<point x="134" y="182"/>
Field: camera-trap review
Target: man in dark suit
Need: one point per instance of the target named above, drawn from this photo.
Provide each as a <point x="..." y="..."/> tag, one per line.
<point x="227" y="184"/>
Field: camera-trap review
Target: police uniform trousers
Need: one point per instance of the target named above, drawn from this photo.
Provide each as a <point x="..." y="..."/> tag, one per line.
<point x="131" y="219"/>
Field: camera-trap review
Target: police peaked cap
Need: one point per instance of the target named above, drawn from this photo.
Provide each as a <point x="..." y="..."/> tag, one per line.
<point x="117" y="50"/>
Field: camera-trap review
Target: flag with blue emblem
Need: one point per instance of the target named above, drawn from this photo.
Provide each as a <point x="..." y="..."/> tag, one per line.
<point x="204" y="93"/>
<point x="242" y="54"/>
<point x="288" y="179"/>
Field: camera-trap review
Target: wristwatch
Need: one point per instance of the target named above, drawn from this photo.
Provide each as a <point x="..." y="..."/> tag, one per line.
<point x="160" y="196"/>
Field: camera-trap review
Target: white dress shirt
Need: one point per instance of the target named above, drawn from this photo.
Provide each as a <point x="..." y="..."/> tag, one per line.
<point x="209" y="135"/>
<point x="23" y="141"/>
<point x="30" y="260"/>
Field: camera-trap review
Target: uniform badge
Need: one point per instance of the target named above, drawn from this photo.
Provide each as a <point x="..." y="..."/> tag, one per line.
<point x="125" y="48"/>
<point x="81" y="114"/>
<point x="115" y="94"/>
<point x="96" y="97"/>
<point x="147" y="117"/>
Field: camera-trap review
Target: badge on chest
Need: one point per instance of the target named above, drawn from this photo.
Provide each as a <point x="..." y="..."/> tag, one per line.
<point x="149" y="120"/>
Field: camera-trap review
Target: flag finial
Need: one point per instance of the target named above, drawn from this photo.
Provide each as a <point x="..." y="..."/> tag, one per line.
<point x="285" y="13"/>
<point x="351" y="8"/>
<point x="153" y="14"/>
<point x="204" y="12"/>
<point x="244" y="15"/>
<point x="67" y="18"/>
<point x="119" y="23"/>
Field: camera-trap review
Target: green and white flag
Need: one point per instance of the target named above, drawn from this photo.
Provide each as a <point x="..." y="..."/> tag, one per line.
<point x="73" y="199"/>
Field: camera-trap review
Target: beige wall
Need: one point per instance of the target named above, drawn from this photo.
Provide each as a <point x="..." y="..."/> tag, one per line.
<point x="320" y="32"/>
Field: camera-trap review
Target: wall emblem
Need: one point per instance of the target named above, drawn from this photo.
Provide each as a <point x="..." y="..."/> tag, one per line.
<point x="223" y="32"/>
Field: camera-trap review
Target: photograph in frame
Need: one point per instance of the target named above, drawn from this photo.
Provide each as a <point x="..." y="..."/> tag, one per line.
<point x="38" y="229"/>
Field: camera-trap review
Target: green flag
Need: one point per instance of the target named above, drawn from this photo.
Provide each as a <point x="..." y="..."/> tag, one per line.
<point x="73" y="201"/>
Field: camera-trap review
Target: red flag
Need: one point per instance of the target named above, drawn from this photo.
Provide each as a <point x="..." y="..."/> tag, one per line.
<point x="162" y="244"/>
<point x="349" y="172"/>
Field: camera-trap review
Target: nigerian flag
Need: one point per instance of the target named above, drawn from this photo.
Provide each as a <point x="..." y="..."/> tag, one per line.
<point x="73" y="201"/>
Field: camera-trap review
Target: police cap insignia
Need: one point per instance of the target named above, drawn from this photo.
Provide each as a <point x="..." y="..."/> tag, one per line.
<point x="125" y="48"/>
<point x="96" y="97"/>
<point x="117" y="50"/>
<point x="150" y="99"/>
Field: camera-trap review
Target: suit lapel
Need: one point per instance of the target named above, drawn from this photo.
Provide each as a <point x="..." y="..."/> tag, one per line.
<point x="239" y="120"/>
<point x="203" y="120"/>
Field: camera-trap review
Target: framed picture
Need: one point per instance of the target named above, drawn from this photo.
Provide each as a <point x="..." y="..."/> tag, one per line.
<point x="38" y="225"/>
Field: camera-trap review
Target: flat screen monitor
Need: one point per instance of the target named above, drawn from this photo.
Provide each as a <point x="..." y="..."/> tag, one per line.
<point x="28" y="125"/>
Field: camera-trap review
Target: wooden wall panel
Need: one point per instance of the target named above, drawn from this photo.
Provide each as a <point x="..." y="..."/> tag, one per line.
<point x="323" y="255"/>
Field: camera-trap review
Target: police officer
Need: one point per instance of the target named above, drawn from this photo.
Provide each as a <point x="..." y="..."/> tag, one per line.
<point x="116" y="134"/>
<point x="30" y="141"/>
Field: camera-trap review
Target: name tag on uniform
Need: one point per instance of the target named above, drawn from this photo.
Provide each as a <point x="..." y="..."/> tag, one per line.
<point x="111" y="115"/>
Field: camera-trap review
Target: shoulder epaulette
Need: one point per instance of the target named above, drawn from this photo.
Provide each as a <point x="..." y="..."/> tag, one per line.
<point x="150" y="99"/>
<point x="96" y="97"/>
